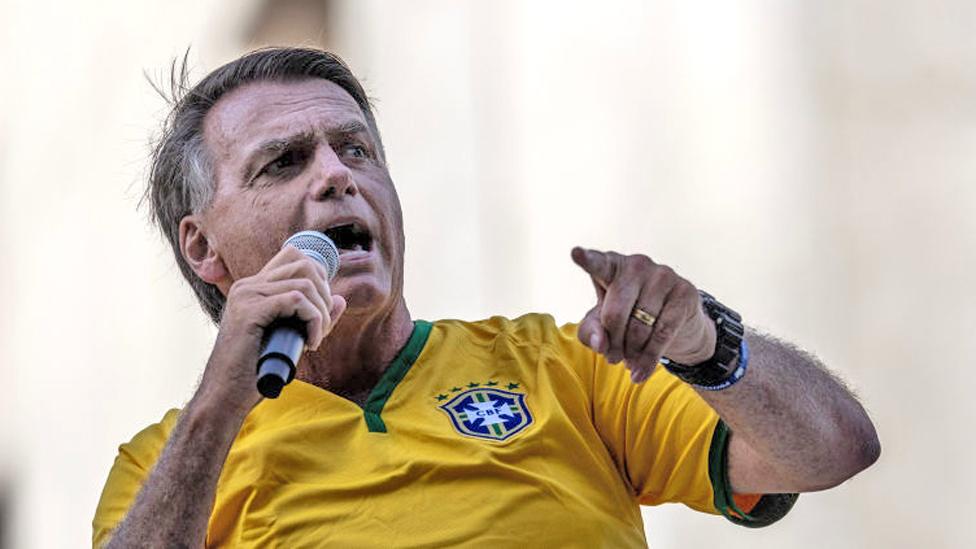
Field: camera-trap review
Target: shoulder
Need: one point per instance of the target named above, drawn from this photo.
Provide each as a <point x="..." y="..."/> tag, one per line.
<point x="130" y="469"/>
<point x="145" y="446"/>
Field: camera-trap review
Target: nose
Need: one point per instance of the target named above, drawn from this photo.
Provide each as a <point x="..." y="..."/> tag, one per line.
<point x="333" y="179"/>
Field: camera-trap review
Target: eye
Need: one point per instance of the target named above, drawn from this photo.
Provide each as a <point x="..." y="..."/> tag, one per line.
<point x="279" y="166"/>
<point x="353" y="150"/>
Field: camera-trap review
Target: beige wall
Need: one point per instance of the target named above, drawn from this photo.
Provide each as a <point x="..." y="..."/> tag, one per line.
<point x="812" y="165"/>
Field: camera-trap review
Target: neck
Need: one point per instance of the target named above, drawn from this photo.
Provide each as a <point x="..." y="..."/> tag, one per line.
<point x="355" y="354"/>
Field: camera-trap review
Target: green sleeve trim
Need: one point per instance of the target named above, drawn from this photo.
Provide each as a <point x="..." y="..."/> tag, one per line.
<point x="769" y="509"/>
<point x="394" y="375"/>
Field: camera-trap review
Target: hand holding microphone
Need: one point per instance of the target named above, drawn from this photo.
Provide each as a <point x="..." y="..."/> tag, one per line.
<point x="291" y="290"/>
<point x="284" y="340"/>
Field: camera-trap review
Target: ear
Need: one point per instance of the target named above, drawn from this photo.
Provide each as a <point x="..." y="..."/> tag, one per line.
<point x="200" y="254"/>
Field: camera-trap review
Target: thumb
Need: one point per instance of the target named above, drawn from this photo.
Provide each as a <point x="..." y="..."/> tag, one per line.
<point x="591" y="333"/>
<point x="338" y="307"/>
<point x="598" y="264"/>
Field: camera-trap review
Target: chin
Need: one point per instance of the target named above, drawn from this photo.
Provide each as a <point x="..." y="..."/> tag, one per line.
<point x="362" y="295"/>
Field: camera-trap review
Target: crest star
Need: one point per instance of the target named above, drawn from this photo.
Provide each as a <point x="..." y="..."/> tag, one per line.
<point x="473" y="384"/>
<point x="455" y="389"/>
<point x="513" y="385"/>
<point x="491" y="383"/>
<point x="441" y="397"/>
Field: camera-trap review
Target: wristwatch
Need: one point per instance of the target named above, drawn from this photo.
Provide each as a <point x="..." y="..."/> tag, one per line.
<point x="724" y="367"/>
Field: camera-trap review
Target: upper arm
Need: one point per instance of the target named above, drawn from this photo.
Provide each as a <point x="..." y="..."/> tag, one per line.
<point x="124" y="481"/>
<point x="130" y="469"/>
<point x="750" y="473"/>
<point x="741" y="494"/>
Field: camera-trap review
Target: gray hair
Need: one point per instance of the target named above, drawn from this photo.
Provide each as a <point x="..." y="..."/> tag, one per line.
<point x="181" y="180"/>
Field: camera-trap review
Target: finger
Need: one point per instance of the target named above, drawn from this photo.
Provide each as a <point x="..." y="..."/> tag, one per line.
<point x="290" y="254"/>
<point x="641" y="366"/>
<point x="339" y="306"/>
<point x="651" y="300"/>
<point x="293" y="264"/>
<point x="598" y="285"/>
<point x="286" y="254"/>
<point x="591" y="333"/>
<point x="637" y="335"/>
<point x="601" y="289"/>
<point x="615" y="313"/>
<point x="642" y="370"/>
<point x="600" y="265"/>
<point x="656" y="294"/>
<point x="674" y="314"/>
<point x="296" y="303"/>
<point x="636" y="338"/>
<point x="303" y="267"/>
<point x="314" y="330"/>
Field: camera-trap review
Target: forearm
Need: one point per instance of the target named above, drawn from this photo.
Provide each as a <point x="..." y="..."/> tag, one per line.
<point x="807" y="429"/>
<point x="794" y="427"/>
<point x="173" y="507"/>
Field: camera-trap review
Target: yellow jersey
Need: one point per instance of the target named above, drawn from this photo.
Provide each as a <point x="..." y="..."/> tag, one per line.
<point x="497" y="433"/>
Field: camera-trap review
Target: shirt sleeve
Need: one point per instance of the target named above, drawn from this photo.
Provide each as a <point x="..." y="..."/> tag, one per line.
<point x="132" y="465"/>
<point x="667" y="442"/>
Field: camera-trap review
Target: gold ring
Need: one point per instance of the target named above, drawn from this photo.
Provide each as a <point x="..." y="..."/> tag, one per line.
<point x="643" y="316"/>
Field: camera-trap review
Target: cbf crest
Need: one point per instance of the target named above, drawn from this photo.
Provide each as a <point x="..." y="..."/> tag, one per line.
<point x="487" y="412"/>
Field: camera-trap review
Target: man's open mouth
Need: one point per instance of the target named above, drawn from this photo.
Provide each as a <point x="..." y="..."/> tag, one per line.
<point x="350" y="237"/>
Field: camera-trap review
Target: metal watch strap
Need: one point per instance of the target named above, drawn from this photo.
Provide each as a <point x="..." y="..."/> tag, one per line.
<point x="729" y="333"/>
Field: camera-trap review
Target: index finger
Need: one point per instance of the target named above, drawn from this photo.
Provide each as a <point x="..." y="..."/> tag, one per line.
<point x="599" y="265"/>
<point x="285" y="255"/>
<point x="290" y="253"/>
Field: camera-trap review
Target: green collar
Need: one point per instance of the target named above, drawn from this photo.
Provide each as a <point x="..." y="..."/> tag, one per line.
<point x="394" y="374"/>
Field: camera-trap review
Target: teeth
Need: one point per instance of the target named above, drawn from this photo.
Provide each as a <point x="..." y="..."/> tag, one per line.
<point x="350" y="237"/>
<point x="353" y="248"/>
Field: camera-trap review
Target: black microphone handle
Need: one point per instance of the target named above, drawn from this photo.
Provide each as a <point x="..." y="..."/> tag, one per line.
<point x="279" y="355"/>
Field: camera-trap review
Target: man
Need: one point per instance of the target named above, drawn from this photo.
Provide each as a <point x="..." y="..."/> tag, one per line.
<point x="403" y="432"/>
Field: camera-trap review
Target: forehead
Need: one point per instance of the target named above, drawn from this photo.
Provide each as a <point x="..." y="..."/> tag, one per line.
<point x="261" y="110"/>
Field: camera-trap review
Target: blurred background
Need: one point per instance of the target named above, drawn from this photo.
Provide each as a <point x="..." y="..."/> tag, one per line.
<point x="810" y="163"/>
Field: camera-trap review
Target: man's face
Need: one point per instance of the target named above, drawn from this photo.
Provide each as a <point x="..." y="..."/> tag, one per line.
<point x="296" y="156"/>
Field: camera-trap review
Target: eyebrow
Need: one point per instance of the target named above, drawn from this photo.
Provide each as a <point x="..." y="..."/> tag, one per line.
<point x="348" y="127"/>
<point x="275" y="146"/>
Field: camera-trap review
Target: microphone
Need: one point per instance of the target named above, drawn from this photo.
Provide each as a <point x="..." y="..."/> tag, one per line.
<point x="284" y="339"/>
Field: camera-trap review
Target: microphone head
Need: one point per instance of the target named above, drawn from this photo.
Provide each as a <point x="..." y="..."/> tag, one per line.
<point x="319" y="247"/>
